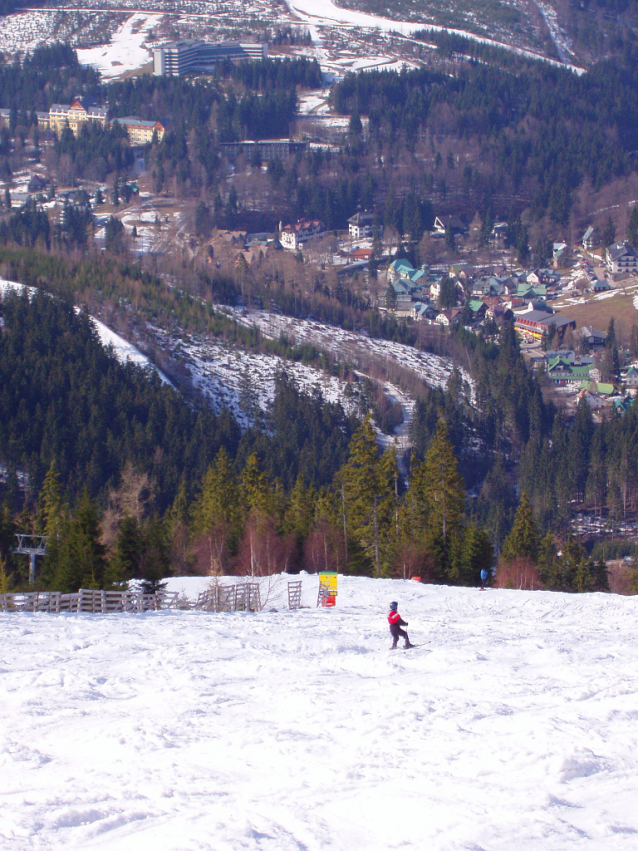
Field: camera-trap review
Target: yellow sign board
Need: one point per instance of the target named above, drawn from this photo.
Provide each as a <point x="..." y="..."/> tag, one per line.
<point x="327" y="589"/>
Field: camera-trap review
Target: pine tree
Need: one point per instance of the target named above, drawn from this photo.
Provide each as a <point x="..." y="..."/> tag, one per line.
<point x="524" y="539"/>
<point x="177" y="530"/>
<point x="51" y="503"/>
<point x="367" y="487"/>
<point x="547" y="566"/>
<point x="444" y="488"/>
<point x="254" y="487"/>
<point x="220" y="501"/>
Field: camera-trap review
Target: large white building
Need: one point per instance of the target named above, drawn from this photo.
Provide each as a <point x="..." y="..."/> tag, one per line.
<point x="176" y="58"/>
<point x="621" y="257"/>
<point x="292" y="236"/>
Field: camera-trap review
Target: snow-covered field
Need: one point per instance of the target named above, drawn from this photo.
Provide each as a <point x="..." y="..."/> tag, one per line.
<point x="125" y="51"/>
<point x="513" y="728"/>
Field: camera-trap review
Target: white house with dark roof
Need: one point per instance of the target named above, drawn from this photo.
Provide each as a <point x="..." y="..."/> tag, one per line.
<point x="361" y="225"/>
<point x="621" y="257"/>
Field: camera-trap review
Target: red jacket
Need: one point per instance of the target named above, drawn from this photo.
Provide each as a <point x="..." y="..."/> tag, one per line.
<point x="394" y="618"/>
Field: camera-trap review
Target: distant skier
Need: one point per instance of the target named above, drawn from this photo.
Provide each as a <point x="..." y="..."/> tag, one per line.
<point x="483" y="579"/>
<point x="396" y="622"/>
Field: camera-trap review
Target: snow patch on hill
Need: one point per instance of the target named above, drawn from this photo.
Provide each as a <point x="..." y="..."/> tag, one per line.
<point x="125" y="51"/>
<point x="513" y="728"/>
<point x="348" y="346"/>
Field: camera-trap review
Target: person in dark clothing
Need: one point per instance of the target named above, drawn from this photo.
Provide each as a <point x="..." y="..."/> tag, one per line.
<point x="396" y="622"/>
<point x="483" y="579"/>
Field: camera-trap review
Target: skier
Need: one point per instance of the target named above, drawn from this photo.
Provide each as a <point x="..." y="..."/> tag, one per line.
<point x="483" y="578"/>
<point x="396" y="622"/>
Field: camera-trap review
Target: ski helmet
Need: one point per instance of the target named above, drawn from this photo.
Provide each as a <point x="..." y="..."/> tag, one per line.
<point x="394" y="606"/>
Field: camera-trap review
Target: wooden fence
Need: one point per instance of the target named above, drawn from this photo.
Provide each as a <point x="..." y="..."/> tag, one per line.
<point x="230" y="598"/>
<point x="87" y="600"/>
<point x="294" y="594"/>
<point x="220" y="598"/>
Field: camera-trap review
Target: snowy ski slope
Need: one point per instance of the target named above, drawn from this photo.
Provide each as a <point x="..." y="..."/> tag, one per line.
<point x="514" y="728"/>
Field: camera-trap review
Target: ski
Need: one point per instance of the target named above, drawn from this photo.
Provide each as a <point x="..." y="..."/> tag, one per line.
<point x="421" y="644"/>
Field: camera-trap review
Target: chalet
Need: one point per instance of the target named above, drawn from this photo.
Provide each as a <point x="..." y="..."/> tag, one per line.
<point x="361" y="254"/>
<point x="621" y="257"/>
<point x="498" y="235"/>
<point x="461" y="270"/>
<point x="499" y="313"/>
<point x="529" y="291"/>
<point x="423" y="312"/>
<point x="621" y="406"/>
<point x="444" y="223"/>
<point x="600" y="387"/>
<point x="449" y="317"/>
<point x="38" y="183"/>
<point x="593" y="399"/>
<point x="400" y="269"/>
<point x="478" y="308"/>
<point x="292" y="236"/>
<point x="592" y="338"/>
<point x="600" y="285"/>
<point x="560" y="254"/>
<point x="631" y="377"/>
<point x="361" y="225"/>
<point x="590" y="239"/>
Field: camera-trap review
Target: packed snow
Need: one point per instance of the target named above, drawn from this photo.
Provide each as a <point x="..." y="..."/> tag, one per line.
<point x="512" y="727"/>
<point x="125" y="51"/>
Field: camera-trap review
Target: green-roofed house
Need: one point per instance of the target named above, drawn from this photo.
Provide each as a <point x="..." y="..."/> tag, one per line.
<point x="562" y="372"/>
<point x="600" y="387"/>
<point x="400" y="269"/>
<point x="478" y="308"/>
<point x="531" y="291"/>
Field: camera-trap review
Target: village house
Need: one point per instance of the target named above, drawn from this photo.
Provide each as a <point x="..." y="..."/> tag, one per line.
<point x="361" y="225"/>
<point x="593" y="399"/>
<point x="499" y="313"/>
<point x="400" y="269"/>
<point x="449" y="317"/>
<point x="631" y="378"/>
<point x="453" y="223"/>
<point x="590" y="239"/>
<point x="561" y="371"/>
<point x="591" y="337"/>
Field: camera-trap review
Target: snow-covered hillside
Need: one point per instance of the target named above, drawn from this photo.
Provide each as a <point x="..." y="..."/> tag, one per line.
<point x="514" y="728"/>
<point x="223" y="372"/>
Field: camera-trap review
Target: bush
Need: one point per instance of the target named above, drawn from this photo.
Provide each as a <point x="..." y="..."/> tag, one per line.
<point x="520" y="573"/>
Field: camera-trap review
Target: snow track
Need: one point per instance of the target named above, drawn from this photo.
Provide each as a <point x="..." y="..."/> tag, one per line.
<point x="300" y="730"/>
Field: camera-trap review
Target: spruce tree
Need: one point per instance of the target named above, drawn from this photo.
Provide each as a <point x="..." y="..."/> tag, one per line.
<point x="219" y="502"/>
<point x="524" y="539"/>
<point x="368" y="486"/>
<point x="444" y="488"/>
